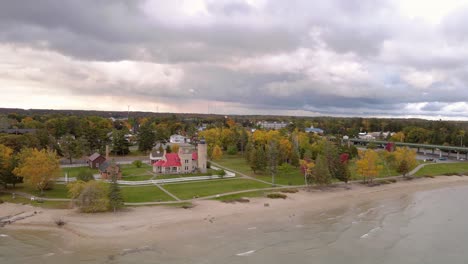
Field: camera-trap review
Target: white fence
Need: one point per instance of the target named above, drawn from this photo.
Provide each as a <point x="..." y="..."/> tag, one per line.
<point x="173" y="180"/>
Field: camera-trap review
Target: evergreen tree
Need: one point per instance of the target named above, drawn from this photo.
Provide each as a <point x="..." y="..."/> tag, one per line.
<point x="115" y="195"/>
<point x="146" y="137"/>
<point x="261" y="158"/>
<point x="295" y="158"/>
<point x="272" y="156"/>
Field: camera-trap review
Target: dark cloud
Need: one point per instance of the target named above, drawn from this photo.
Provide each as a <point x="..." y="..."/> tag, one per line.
<point x="333" y="57"/>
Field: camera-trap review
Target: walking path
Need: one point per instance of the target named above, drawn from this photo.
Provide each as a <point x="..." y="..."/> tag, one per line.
<point x="167" y="192"/>
<point x="242" y="174"/>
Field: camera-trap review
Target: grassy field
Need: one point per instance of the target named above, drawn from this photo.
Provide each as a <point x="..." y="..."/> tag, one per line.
<point x="238" y="163"/>
<point x="212" y="187"/>
<point x="144" y="194"/>
<point x="6" y="197"/>
<point x="59" y="191"/>
<point x="137" y="178"/>
<point x="443" y="169"/>
<point x="132" y="170"/>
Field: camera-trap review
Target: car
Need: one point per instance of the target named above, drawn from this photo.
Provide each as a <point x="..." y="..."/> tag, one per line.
<point x="443" y="158"/>
<point x="429" y="159"/>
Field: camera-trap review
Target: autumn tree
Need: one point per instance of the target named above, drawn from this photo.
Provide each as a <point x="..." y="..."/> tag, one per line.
<point x="90" y="197"/>
<point x="217" y="153"/>
<point x="368" y="165"/>
<point x="306" y="167"/>
<point x="404" y="160"/>
<point x="39" y="168"/>
<point x="175" y="148"/>
<point x="320" y="173"/>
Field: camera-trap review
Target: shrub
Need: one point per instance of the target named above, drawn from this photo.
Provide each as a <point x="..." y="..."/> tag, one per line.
<point x="59" y="222"/>
<point x="289" y="191"/>
<point x="1" y="201"/>
<point x="276" y="196"/>
<point x="137" y="163"/>
<point x="221" y="173"/>
<point x="232" y="150"/>
<point x="90" y="197"/>
<point x="85" y="176"/>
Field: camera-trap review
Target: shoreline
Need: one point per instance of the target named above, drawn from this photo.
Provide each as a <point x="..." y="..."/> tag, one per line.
<point x="145" y="223"/>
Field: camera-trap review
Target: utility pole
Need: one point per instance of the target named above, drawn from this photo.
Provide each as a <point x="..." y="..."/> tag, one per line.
<point x="128" y="112"/>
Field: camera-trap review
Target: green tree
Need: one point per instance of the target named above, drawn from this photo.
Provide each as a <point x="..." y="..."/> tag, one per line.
<point x="85" y="176"/>
<point x="137" y="163"/>
<point x="8" y="162"/>
<point x="272" y="155"/>
<point x="257" y="159"/>
<point x="320" y="173"/>
<point x="72" y="148"/>
<point x="120" y="144"/>
<point x="146" y="137"/>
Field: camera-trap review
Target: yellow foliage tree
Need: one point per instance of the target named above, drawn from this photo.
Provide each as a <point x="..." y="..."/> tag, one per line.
<point x="217" y="153"/>
<point x="406" y="156"/>
<point x="39" y="168"/>
<point x="307" y="167"/>
<point x="368" y="165"/>
<point x="175" y="148"/>
<point x="398" y="137"/>
<point x="285" y="147"/>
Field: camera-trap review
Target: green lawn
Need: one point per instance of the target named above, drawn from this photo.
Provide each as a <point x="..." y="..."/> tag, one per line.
<point x="144" y="194"/>
<point x="73" y="172"/>
<point x="6" y="197"/>
<point x="58" y="191"/>
<point x="212" y="187"/>
<point x="238" y="163"/>
<point x="132" y="170"/>
<point x="443" y="168"/>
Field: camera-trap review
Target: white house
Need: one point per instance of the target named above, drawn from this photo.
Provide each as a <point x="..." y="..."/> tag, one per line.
<point x="179" y="139"/>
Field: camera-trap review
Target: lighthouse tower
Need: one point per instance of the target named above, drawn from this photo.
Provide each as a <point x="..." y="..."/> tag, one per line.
<point x="202" y="155"/>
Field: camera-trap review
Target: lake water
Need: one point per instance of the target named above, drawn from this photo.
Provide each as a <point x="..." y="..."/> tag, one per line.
<point x="425" y="227"/>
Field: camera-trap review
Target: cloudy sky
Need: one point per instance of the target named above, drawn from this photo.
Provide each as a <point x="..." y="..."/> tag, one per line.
<point x="405" y="58"/>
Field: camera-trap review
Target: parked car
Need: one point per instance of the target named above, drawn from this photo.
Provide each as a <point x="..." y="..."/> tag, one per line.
<point x="443" y="158"/>
<point x="429" y="159"/>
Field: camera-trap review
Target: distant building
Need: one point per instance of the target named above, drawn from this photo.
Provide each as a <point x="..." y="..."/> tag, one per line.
<point x="272" y="125"/>
<point x="315" y="130"/>
<point x="187" y="160"/>
<point x="179" y="139"/>
<point x="95" y="160"/>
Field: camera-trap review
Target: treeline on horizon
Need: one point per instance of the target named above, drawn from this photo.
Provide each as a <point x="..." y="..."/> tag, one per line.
<point x="94" y="129"/>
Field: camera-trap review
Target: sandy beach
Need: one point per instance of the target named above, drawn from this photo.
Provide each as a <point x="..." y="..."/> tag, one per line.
<point x="138" y="224"/>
